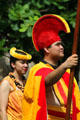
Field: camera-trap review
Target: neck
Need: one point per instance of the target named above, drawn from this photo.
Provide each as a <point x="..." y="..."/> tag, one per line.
<point x="53" y="62"/>
<point x="17" y="76"/>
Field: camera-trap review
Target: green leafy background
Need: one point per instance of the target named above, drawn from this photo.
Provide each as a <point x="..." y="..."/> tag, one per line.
<point x="17" y="18"/>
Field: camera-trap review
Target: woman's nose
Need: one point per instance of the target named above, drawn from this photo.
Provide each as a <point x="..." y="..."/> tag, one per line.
<point x="26" y="64"/>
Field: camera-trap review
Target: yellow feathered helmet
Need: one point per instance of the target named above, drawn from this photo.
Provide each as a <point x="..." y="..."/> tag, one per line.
<point x="20" y="54"/>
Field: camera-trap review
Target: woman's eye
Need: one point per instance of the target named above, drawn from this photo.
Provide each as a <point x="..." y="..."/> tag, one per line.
<point x="22" y="62"/>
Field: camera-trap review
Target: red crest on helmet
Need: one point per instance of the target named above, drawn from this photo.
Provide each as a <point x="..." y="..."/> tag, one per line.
<point x="46" y="30"/>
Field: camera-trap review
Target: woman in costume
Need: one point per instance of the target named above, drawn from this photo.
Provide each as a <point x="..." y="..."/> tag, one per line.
<point x="12" y="86"/>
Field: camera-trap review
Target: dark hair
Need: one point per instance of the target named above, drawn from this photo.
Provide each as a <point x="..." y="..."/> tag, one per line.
<point x="20" y="52"/>
<point x="42" y="52"/>
<point x="12" y="60"/>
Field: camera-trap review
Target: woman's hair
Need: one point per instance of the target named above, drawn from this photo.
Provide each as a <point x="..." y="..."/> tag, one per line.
<point x="20" y="52"/>
<point x="13" y="59"/>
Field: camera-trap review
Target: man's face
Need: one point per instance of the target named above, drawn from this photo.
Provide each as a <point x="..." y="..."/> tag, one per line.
<point x="56" y="50"/>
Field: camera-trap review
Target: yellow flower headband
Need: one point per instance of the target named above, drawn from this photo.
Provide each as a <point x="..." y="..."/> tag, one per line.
<point x="15" y="53"/>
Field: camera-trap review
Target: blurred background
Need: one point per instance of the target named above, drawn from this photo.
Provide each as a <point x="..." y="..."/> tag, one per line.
<point x="17" y="18"/>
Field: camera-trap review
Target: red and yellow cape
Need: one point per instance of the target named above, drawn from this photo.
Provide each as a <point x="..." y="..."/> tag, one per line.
<point x="34" y="101"/>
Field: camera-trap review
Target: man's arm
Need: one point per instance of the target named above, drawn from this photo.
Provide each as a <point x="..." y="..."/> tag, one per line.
<point x="4" y="93"/>
<point x="55" y="75"/>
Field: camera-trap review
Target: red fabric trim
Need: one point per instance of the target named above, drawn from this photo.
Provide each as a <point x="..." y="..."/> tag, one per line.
<point x="75" y="110"/>
<point x="58" y="114"/>
<point x="62" y="92"/>
<point x="42" y="113"/>
<point x="65" y="77"/>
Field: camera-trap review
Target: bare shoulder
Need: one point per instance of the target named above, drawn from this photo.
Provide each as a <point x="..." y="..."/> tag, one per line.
<point x="5" y="85"/>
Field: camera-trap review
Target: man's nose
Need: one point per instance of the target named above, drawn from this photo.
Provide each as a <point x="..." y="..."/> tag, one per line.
<point x="61" y="46"/>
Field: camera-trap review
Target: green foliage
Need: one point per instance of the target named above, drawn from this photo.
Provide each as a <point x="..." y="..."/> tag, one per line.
<point x="17" y="18"/>
<point x="2" y="50"/>
<point x="24" y="18"/>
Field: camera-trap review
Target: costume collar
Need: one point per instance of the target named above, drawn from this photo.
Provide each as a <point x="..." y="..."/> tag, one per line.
<point x="45" y="62"/>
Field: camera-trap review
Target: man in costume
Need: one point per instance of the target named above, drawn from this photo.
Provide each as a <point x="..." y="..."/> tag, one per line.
<point x="46" y="89"/>
<point x="12" y="86"/>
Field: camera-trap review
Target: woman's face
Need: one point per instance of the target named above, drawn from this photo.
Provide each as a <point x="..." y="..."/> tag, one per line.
<point x="20" y="66"/>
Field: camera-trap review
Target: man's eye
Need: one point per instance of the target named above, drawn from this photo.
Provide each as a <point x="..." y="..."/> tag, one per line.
<point x="58" y="44"/>
<point x="62" y="44"/>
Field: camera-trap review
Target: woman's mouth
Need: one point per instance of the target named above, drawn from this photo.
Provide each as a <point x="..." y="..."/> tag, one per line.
<point x="25" y="69"/>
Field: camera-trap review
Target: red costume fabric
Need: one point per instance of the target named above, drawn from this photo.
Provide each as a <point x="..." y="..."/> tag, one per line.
<point x="34" y="101"/>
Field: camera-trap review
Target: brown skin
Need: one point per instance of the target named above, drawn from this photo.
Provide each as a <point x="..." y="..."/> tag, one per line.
<point x="20" y="68"/>
<point x="52" y="55"/>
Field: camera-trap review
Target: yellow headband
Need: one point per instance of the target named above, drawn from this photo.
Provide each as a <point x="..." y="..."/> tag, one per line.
<point x="14" y="54"/>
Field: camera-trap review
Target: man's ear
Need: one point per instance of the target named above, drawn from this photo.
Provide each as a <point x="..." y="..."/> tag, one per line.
<point x="46" y="50"/>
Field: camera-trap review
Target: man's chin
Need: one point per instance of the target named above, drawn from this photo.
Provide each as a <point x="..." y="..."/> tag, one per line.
<point x="61" y="56"/>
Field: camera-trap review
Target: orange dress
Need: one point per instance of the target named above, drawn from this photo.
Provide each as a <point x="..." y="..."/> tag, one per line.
<point x="14" y="109"/>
